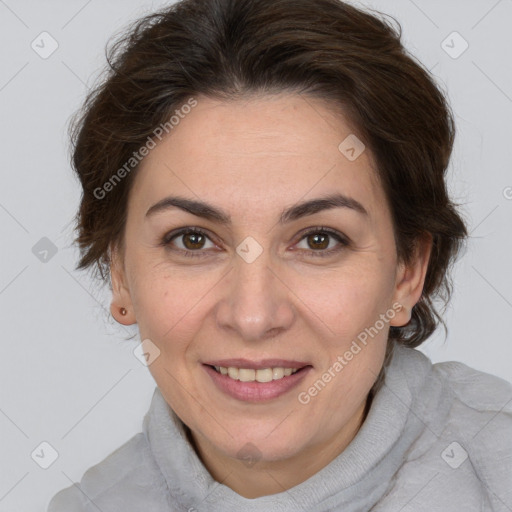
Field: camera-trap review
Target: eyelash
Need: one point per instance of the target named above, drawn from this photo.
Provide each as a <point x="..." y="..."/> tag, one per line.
<point x="169" y="237"/>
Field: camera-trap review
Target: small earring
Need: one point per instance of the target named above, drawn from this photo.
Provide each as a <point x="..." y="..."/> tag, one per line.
<point x="123" y="311"/>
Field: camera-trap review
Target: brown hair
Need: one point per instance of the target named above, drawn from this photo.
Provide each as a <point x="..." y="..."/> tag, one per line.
<point x="228" y="49"/>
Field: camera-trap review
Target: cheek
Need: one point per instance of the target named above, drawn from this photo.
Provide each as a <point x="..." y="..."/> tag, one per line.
<point x="346" y="300"/>
<point x="346" y="307"/>
<point x="170" y="305"/>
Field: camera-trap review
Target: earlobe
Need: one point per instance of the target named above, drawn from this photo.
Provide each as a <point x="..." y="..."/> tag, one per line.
<point x="410" y="281"/>
<point x="121" y="307"/>
<point x="121" y="314"/>
<point x="402" y="316"/>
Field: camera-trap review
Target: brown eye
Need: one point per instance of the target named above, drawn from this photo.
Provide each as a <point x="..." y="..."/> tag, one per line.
<point x="189" y="242"/>
<point x="318" y="241"/>
<point x="193" y="240"/>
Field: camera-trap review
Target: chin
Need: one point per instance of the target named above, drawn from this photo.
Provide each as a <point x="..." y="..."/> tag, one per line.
<point x="263" y="446"/>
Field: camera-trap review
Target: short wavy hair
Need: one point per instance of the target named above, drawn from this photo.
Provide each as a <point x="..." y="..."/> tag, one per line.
<point x="230" y="49"/>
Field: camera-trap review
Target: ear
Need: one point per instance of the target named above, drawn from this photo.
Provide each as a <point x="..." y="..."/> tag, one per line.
<point x="410" y="279"/>
<point x="121" y="297"/>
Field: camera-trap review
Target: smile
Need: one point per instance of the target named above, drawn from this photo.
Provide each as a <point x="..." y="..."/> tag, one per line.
<point x="255" y="385"/>
<point x="251" y="375"/>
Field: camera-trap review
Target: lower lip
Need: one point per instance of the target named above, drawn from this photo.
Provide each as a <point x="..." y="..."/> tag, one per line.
<point x="256" y="391"/>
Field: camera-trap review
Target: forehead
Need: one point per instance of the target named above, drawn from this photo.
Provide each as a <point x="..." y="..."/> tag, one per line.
<point x="269" y="150"/>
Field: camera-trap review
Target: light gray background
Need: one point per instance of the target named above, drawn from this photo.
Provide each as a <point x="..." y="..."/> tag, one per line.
<point x="68" y="376"/>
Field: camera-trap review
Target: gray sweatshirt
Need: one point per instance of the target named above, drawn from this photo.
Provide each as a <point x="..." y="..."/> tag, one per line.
<point x="438" y="437"/>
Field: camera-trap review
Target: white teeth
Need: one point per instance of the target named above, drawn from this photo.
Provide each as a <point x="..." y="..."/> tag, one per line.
<point x="277" y="373"/>
<point x="246" y="375"/>
<point x="250" y="375"/>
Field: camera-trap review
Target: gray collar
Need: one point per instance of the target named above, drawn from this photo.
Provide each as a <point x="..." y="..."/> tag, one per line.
<point x="356" y="480"/>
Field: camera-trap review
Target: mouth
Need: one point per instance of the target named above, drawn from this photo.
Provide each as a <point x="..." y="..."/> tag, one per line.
<point x="261" y="375"/>
<point x="262" y="382"/>
<point x="264" y="370"/>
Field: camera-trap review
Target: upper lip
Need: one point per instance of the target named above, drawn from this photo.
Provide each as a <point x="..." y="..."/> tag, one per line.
<point x="257" y="365"/>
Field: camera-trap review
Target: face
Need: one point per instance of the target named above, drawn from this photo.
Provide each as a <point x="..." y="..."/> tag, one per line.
<point x="267" y="273"/>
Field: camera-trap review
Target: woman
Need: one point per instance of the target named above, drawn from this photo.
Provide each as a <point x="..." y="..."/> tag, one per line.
<point x="264" y="188"/>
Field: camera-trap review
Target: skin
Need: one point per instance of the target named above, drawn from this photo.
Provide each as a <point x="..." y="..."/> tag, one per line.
<point x="253" y="158"/>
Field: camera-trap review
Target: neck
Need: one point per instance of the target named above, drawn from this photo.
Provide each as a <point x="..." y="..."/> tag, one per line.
<point x="271" y="477"/>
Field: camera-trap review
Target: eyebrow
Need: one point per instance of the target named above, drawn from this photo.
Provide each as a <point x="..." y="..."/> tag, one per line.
<point x="212" y="213"/>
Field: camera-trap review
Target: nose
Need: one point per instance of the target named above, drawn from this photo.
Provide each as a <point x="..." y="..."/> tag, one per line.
<point x="256" y="303"/>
